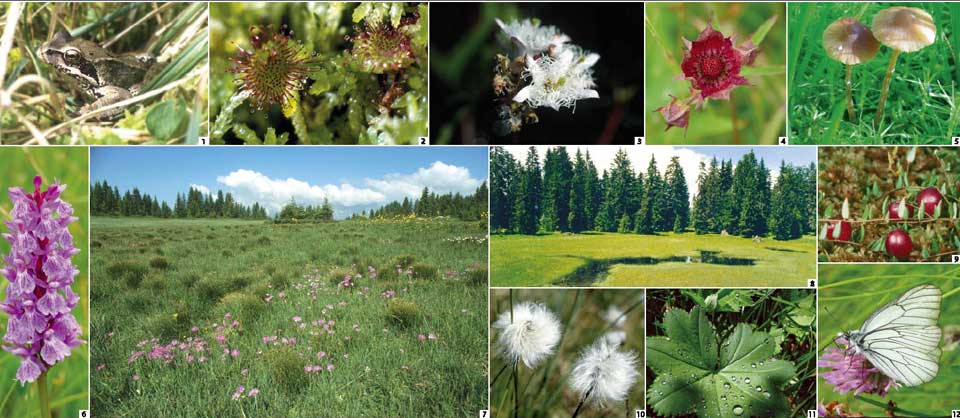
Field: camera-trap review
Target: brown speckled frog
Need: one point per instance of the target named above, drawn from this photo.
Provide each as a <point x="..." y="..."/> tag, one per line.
<point x="102" y="77"/>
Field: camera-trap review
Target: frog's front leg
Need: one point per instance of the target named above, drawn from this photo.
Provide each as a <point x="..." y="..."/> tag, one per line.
<point x="106" y="96"/>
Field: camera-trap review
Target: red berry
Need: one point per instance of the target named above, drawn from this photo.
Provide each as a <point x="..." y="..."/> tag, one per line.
<point x="929" y="198"/>
<point x="845" y="231"/>
<point x="899" y="244"/>
<point x="894" y="210"/>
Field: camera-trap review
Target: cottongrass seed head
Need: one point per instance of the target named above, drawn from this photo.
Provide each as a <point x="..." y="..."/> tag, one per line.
<point x="530" y="337"/>
<point x="561" y="81"/>
<point x="604" y="373"/>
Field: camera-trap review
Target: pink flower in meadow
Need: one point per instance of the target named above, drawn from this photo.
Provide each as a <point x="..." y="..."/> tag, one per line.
<point x="244" y="372"/>
<point x="321" y="354"/>
<point x="219" y="328"/>
<point x="101" y="366"/>
<point x="202" y="359"/>
<point x="308" y="368"/>
<point x="136" y="378"/>
<point x="421" y="337"/>
<point x="297" y="319"/>
<point x="431" y="336"/>
<point x="227" y="315"/>
<point x="330" y="367"/>
<point x="268" y="298"/>
<point x="189" y="358"/>
<point x="235" y="323"/>
<point x="195" y="329"/>
<point x="235" y="353"/>
<point x="221" y="338"/>
<point x="282" y="294"/>
<point x="253" y="392"/>
<point x="238" y="393"/>
<point x="110" y="334"/>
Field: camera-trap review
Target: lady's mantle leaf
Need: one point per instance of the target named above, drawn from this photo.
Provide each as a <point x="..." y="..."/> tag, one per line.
<point x="741" y="379"/>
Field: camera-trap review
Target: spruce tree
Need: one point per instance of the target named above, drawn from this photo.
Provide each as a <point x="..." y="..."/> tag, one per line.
<point x="577" y="219"/>
<point x="677" y="196"/>
<point x="527" y="204"/>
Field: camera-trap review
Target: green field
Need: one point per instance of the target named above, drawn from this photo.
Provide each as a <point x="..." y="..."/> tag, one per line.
<point x="565" y="259"/>
<point x="158" y="279"/>
<point x="67" y="381"/>
<point x="850" y="293"/>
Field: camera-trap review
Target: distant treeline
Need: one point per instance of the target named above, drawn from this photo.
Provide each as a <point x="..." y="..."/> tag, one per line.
<point x="107" y="200"/>
<point x="468" y="208"/>
<point x="567" y="194"/>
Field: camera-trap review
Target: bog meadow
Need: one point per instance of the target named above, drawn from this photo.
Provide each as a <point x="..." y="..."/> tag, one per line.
<point x="216" y="304"/>
<point x="711" y="216"/>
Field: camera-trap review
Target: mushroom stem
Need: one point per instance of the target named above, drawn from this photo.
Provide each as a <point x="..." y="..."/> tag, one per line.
<point x="886" y="87"/>
<point x="852" y="116"/>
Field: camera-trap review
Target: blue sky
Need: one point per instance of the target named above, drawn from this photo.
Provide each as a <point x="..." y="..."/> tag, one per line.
<point x="353" y="178"/>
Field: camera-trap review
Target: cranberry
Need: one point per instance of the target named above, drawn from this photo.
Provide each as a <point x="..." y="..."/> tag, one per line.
<point x="894" y="210"/>
<point x="845" y="231"/>
<point x="929" y="198"/>
<point x="899" y="244"/>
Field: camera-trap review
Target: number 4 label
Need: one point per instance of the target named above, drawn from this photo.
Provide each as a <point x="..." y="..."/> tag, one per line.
<point x="484" y="413"/>
<point x="783" y="140"/>
<point x="84" y="413"/>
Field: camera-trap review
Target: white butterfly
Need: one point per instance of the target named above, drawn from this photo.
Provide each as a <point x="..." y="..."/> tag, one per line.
<point x="902" y="338"/>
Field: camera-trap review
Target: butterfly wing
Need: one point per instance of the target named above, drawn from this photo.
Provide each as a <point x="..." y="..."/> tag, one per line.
<point x="902" y="338"/>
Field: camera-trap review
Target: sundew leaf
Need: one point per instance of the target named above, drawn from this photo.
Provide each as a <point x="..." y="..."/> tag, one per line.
<point x="738" y="379"/>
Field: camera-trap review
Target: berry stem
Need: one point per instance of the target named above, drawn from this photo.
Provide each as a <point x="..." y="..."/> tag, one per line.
<point x="886" y="87"/>
<point x="44" y="396"/>
<point x="852" y="116"/>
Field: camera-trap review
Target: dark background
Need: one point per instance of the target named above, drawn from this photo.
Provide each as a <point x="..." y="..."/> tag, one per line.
<point x="464" y="41"/>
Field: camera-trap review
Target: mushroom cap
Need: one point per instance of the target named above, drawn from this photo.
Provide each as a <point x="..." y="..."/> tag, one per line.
<point x="849" y="41"/>
<point x="907" y="29"/>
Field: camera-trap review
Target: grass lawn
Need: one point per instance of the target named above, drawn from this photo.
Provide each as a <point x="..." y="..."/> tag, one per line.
<point x="544" y="260"/>
<point x="185" y="312"/>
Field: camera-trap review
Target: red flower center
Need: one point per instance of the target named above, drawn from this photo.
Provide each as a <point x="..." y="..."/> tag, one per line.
<point x="711" y="66"/>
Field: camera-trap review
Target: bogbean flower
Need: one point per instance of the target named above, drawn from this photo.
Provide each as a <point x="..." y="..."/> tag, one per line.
<point x="850" y="370"/>
<point x="530" y="336"/>
<point x="604" y="373"/>
<point x="559" y="82"/>
<point x="41" y="329"/>
<point x="531" y="38"/>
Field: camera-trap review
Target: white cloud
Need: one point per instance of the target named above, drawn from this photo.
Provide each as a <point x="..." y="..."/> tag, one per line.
<point x="439" y="177"/>
<point x="249" y="186"/>
<point x="201" y="188"/>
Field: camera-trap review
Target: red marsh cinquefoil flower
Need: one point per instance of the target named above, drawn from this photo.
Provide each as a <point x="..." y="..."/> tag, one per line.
<point x="712" y="64"/>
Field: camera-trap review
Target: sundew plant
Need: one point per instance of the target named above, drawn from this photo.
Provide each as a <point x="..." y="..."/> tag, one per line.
<point x="319" y="73"/>
<point x="715" y="72"/>
<point x="103" y="73"/>
<point x="574" y="353"/>
<point x="895" y="84"/>
<point x="849" y="384"/>
<point x="888" y="204"/>
<point x="731" y="353"/>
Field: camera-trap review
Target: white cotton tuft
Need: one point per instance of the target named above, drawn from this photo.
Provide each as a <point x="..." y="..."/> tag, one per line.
<point x="604" y="373"/>
<point x="530" y="337"/>
<point x="614" y="316"/>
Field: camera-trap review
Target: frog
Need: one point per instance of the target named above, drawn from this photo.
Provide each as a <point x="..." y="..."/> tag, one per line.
<point x="101" y="77"/>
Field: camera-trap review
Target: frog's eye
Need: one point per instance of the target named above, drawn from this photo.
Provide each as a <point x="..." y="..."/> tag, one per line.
<point x="71" y="55"/>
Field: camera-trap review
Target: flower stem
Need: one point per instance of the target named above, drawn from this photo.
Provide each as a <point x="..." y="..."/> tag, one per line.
<point x="886" y="86"/>
<point x="44" y="396"/>
<point x="733" y="120"/>
<point x="580" y="405"/>
<point x="516" y="393"/>
<point x="852" y="116"/>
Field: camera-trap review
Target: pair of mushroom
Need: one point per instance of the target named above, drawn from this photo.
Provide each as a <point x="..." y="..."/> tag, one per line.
<point x="902" y="29"/>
